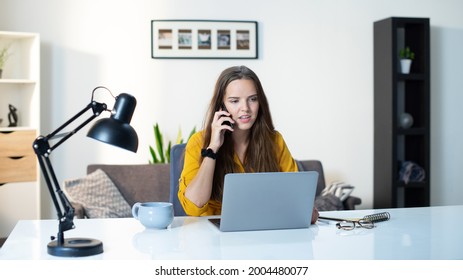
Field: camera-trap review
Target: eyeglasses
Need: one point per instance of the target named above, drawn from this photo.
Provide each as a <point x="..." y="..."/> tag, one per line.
<point x="351" y="224"/>
<point x="365" y="222"/>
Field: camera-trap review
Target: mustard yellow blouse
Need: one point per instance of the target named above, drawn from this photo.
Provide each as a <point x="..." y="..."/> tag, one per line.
<point x="192" y="164"/>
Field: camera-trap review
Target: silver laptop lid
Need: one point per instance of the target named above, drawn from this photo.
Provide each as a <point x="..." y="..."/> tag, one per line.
<point x="272" y="200"/>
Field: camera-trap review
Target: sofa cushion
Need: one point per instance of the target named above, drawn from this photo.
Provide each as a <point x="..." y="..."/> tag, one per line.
<point x="98" y="195"/>
<point x="328" y="202"/>
<point x="138" y="182"/>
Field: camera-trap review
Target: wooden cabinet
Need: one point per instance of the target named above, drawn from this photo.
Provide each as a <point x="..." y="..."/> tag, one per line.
<point x="19" y="87"/>
<point x="18" y="162"/>
<point x="395" y="94"/>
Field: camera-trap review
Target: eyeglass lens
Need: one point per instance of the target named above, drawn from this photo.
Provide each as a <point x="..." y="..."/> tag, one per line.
<point x="350" y="225"/>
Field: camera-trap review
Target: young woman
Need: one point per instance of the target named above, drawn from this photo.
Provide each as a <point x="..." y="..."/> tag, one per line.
<point x="239" y="136"/>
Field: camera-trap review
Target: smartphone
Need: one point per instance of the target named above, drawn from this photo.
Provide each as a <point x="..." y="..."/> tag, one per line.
<point x="226" y="122"/>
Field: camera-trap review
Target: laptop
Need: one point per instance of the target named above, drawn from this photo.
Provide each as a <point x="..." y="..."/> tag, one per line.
<point x="267" y="201"/>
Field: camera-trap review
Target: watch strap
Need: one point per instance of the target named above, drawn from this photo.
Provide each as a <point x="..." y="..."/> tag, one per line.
<point x="208" y="153"/>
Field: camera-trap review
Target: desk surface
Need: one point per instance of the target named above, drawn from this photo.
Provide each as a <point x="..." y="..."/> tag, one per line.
<point x="411" y="233"/>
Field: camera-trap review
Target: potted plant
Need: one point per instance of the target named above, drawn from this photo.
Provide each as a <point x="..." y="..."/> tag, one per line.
<point x="3" y="58"/>
<point x="159" y="153"/>
<point x="406" y="58"/>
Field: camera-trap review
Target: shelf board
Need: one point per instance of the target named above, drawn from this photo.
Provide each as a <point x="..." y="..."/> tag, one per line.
<point x="415" y="185"/>
<point x="16" y="35"/>
<point x="412" y="131"/>
<point x="411" y="77"/>
<point x="6" y="129"/>
<point x="17" y="81"/>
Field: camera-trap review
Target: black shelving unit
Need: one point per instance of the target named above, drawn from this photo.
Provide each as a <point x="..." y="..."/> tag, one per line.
<point x="394" y="94"/>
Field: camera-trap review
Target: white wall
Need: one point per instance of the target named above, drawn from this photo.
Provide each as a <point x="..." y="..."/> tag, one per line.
<point x="315" y="62"/>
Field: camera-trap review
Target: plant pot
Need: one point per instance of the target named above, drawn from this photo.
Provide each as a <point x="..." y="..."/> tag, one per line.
<point x="1" y="73"/>
<point x="405" y="65"/>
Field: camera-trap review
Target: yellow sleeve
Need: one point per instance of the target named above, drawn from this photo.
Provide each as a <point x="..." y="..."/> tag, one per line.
<point x="190" y="169"/>
<point x="285" y="159"/>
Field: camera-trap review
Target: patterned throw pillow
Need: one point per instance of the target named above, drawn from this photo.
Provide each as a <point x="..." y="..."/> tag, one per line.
<point x="98" y="195"/>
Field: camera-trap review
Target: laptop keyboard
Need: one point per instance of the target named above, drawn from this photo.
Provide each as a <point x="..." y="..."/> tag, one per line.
<point x="215" y="221"/>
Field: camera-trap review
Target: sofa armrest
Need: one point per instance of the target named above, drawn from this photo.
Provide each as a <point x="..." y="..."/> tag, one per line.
<point x="350" y="202"/>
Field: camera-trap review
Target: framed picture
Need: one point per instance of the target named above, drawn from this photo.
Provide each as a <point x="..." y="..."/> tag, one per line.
<point x="203" y="39"/>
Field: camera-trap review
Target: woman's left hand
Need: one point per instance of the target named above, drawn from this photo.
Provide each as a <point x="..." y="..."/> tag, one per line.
<point x="314" y="215"/>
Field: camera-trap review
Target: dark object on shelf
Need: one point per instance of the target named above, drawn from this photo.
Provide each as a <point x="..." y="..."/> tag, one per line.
<point x="12" y="116"/>
<point x="405" y="121"/>
<point x="398" y="140"/>
<point x="411" y="172"/>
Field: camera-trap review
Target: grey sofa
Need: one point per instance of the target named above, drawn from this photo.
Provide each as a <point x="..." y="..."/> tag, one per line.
<point x="151" y="182"/>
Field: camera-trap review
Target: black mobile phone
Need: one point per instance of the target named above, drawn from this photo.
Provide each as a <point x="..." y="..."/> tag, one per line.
<point x="226" y="122"/>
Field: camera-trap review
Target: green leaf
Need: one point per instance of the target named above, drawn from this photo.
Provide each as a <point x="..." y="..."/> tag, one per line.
<point x="407" y="53"/>
<point x="169" y="146"/>
<point x="153" y="156"/>
<point x="193" y="131"/>
<point x="159" y="143"/>
<point x="179" y="137"/>
<point x="158" y="155"/>
<point x="4" y="54"/>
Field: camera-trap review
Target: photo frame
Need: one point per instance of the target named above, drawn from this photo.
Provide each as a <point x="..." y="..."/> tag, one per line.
<point x="204" y="39"/>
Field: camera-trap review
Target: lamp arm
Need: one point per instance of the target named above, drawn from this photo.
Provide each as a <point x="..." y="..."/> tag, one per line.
<point x="97" y="109"/>
<point x="42" y="149"/>
<point x="63" y="206"/>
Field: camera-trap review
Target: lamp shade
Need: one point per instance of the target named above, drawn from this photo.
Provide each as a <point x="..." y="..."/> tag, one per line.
<point x="116" y="130"/>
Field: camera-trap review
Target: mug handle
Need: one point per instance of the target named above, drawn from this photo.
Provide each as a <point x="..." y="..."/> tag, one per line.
<point x="135" y="208"/>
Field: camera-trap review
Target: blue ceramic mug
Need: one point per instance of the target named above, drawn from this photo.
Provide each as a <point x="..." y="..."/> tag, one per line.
<point x="154" y="215"/>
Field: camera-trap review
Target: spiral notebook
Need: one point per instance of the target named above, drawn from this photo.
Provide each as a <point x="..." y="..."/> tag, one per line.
<point x="267" y="201"/>
<point x="375" y="218"/>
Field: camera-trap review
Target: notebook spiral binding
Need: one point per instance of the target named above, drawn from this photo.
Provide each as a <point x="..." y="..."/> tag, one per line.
<point x="378" y="217"/>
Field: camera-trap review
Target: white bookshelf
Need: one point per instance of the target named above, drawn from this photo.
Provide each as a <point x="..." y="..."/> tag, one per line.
<point x="20" y="87"/>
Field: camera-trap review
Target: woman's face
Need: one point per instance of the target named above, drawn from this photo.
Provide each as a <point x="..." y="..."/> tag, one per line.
<point x="242" y="103"/>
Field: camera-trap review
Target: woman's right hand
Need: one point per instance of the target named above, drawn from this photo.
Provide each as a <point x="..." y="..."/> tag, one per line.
<point x="218" y="129"/>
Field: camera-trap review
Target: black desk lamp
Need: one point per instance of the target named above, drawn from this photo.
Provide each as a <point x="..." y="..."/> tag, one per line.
<point x="116" y="131"/>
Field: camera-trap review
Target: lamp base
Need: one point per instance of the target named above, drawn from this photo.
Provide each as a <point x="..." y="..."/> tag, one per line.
<point x="75" y="247"/>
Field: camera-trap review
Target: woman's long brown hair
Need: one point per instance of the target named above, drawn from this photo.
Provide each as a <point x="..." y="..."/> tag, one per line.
<point x="260" y="154"/>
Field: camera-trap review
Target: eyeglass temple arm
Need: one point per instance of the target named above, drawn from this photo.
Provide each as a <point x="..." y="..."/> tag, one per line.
<point x="338" y="219"/>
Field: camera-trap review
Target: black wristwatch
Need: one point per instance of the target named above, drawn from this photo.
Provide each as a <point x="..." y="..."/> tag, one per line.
<point x="208" y="153"/>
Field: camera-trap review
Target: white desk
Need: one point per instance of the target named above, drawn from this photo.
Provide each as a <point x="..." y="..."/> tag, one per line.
<point x="411" y="233"/>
